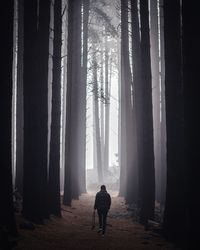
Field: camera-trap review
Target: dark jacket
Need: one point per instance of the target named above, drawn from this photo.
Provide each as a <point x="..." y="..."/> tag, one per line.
<point x="102" y="201"/>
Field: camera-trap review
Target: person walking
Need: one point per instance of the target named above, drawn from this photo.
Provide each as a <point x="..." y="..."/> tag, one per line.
<point x="102" y="204"/>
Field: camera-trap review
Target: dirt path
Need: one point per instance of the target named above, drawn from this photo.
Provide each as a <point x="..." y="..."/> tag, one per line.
<point x="73" y="231"/>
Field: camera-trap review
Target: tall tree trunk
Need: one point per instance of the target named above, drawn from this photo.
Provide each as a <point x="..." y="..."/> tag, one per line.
<point x="7" y="219"/>
<point x="148" y="172"/>
<point x="137" y="96"/>
<point x="163" y="108"/>
<point x="67" y="180"/>
<point x="94" y="138"/>
<point x="123" y="143"/>
<point x="107" y="108"/>
<point x="76" y="101"/>
<point x="71" y="185"/>
<point x="19" y="103"/>
<point x="36" y="54"/>
<point x="156" y="93"/>
<point x="30" y="187"/>
<point x="191" y="79"/>
<point x="102" y="107"/>
<point x="127" y="123"/>
<point x="64" y="101"/>
<point x="54" y="163"/>
<point x="82" y="117"/>
<point x="175" y="207"/>
<point x="96" y="117"/>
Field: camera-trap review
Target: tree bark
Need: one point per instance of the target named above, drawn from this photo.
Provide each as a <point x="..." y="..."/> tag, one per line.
<point x="191" y="79"/>
<point x="36" y="54"/>
<point x="96" y="117"/>
<point x="175" y="207"/>
<point x="54" y="163"/>
<point x="71" y="185"/>
<point x="107" y="108"/>
<point x="7" y="218"/>
<point x="82" y="97"/>
<point x="156" y="93"/>
<point x="19" y="103"/>
<point x="148" y="172"/>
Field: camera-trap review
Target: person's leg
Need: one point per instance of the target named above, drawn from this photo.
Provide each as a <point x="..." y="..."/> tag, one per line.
<point x="104" y="222"/>
<point x="100" y="218"/>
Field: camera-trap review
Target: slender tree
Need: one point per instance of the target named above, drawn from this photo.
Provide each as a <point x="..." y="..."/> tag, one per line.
<point x="36" y="54"/>
<point x="82" y="98"/>
<point x="148" y="172"/>
<point x="126" y="164"/>
<point x="163" y="113"/>
<point x="102" y="104"/>
<point x="175" y="207"/>
<point x="107" y="109"/>
<point x="54" y="163"/>
<point x="137" y="97"/>
<point x="67" y="180"/>
<point x="19" y="102"/>
<point x="156" y="93"/>
<point x="190" y="52"/>
<point x="71" y="185"/>
<point x="96" y="115"/>
<point x="7" y="219"/>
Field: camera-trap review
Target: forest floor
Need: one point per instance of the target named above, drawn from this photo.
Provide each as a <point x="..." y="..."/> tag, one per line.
<point x="73" y="230"/>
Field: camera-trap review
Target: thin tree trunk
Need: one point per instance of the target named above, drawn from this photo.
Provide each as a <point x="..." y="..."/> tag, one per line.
<point x="107" y="108"/>
<point x="76" y="101"/>
<point x="82" y="117"/>
<point x="67" y="197"/>
<point x="148" y="172"/>
<point x="163" y="108"/>
<point x="175" y="207"/>
<point x="102" y="107"/>
<point x="156" y="93"/>
<point x="127" y="120"/>
<point x="54" y="163"/>
<point x="71" y="185"/>
<point x="191" y="79"/>
<point x="36" y="54"/>
<point x="7" y="219"/>
<point x="96" y="116"/>
<point x="19" y="103"/>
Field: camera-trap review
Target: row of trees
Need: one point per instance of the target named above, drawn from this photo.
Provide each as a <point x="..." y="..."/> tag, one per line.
<point x="163" y="81"/>
<point x="38" y="171"/>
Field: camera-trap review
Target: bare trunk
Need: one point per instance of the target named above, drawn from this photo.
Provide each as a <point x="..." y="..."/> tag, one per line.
<point x="148" y="172"/>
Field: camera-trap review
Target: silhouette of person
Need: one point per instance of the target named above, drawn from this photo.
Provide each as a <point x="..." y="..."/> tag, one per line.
<point x="102" y="204"/>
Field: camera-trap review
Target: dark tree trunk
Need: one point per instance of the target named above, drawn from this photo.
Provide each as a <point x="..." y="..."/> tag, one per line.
<point x="36" y="54"/>
<point x="82" y="97"/>
<point x="191" y="79"/>
<point x="54" y="163"/>
<point x="126" y="163"/>
<point x="76" y="101"/>
<point x="107" y="109"/>
<point x="20" y="109"/>
<point x="137" y="95"/>
<point x="102" y="107"/>
<point x="96" y="117"/>
<point x="156" y="93"/>
<point x="122" y="110"/>
<point x="7" y="219"/>
<point x="71" y="185"/>
<point x="175" y="207"/>
<point x="130" y="153"/>
<point x="148" y="173"/>
<point x="163" y="113"/>
<point x="67" y="198"/>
